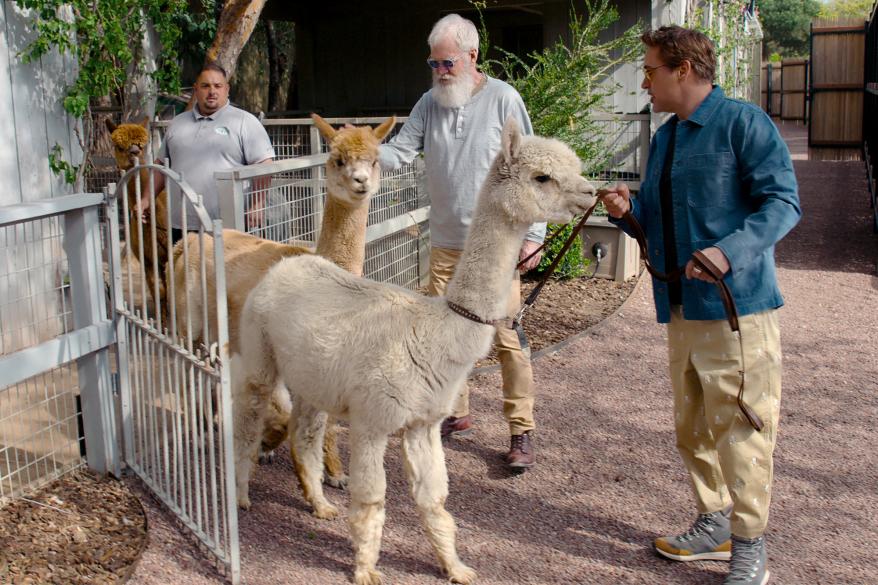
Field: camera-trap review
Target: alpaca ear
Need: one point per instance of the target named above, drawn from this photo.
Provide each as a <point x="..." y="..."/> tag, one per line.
<point x="111" y="126"/>
<point x="384" y="129"/>
<point x="145" y="122"/>
<point x="327" y="131"/>
<point x="510" y="139"/>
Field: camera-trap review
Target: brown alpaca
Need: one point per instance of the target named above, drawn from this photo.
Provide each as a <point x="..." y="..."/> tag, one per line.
<point x="129" y="149"/>
<point x="352" y="177"/>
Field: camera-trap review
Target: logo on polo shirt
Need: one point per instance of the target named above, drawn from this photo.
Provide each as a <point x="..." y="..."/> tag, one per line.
<point x="221" y="130"/>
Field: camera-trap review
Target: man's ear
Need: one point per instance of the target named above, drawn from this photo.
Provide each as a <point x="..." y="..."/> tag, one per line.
<point x="684" y="69"/>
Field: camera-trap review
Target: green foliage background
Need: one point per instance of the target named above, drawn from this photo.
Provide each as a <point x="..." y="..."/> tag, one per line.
<point x="786" y="25"/>
<point x="560" y="86"/>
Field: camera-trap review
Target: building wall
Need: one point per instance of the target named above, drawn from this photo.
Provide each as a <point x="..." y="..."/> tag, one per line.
<point x="32" y="117"/>
<point x="355" y="59"/>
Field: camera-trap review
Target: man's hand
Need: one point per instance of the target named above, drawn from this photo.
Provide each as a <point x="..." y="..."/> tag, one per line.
<point x="526" y="250"/>
<point x="716" y="256"/>
<point x="144" y="208"/>
<point x="616" y="199"/>
<point x="256" y="213"/>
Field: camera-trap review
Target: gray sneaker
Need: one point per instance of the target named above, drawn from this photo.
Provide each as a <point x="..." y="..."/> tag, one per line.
<point x="706" y="540"/>
<point x="748" y="566"/>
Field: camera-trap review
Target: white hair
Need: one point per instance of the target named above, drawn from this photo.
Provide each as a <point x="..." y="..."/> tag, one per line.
<point x="459" y="28"/>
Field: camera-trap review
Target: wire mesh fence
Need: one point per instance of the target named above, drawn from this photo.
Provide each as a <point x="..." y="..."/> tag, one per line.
<point x="46" y="330"/>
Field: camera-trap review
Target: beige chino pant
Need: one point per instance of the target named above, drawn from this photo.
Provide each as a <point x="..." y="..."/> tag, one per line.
<point x="518" y="385"/>
<point x="728" y="461"/>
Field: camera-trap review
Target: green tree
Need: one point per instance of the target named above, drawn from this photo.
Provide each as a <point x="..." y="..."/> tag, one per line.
<point x="125" y="49"/>
<point x="786" y="25"/>
<point x="847" y="9"/>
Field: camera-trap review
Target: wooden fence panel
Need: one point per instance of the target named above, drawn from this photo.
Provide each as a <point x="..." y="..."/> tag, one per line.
<point x="787" y="90"/>
<point x="836" y="84"/>
<point x="794" y="86"/>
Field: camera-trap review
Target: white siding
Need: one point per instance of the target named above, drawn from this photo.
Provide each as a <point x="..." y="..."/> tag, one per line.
<point x="31" y="113"/>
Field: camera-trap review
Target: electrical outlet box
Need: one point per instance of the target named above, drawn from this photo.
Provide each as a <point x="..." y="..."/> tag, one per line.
<point x="622" y="261"/>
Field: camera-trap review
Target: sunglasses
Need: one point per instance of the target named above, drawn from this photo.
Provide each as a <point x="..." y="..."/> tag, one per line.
<point x="648" y="71"/>
<point x="447" y="63"/>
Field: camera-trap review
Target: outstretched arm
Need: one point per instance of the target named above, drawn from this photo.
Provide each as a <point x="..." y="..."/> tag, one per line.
<point x="408" y="143"/>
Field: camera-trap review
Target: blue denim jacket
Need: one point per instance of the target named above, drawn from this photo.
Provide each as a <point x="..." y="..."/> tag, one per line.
<point x="733" y="187"/>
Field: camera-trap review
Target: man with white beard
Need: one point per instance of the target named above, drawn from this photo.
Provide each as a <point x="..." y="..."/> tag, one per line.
<point x="456" y="125"/>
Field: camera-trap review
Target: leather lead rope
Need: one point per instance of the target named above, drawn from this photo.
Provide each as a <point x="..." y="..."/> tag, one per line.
<point x="704" y="263"/>
<point x="532" y="297"/>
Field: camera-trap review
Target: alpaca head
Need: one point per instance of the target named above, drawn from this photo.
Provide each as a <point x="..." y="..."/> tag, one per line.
<point x="537" y="179"/>
<point x="352" y="172"/>
<point x="129" y="142"/>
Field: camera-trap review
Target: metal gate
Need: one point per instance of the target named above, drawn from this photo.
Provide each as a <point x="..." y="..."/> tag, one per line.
<point x="172" y="357"/>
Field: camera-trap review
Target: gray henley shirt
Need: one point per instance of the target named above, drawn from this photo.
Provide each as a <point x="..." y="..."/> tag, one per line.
<point x="459" y="146"/>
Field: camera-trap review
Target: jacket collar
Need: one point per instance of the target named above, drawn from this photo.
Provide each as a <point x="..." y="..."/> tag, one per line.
<point x="706" y="109"/>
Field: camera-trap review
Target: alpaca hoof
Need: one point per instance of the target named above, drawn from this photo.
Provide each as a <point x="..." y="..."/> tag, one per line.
<point x="462" y="574"/>
<point x="266" y="458"/>
<point x="340" y="482"/>
<point x="326" y="511"/>
<point x="244" y="502"/>
<point x="367" y="577"/>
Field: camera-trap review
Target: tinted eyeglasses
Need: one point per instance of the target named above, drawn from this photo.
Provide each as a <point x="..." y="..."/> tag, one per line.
<point x="447" y="63"/>
<point x="648" y="71"/>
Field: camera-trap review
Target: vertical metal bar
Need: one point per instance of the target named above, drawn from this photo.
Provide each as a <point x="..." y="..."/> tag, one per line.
<point x="810" y="81"/>
<point x="226" y="402"/>
<point x="82" y="244"/>
<point x="122" y="344"/>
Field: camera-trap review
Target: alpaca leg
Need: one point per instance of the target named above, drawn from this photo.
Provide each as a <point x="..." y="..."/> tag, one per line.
<point x="251" y="387"/>
<point x="307" y="426"/>
<point x="333" y="467"/>
<point x="366" y="515"/>
<point x="428" y="477"/>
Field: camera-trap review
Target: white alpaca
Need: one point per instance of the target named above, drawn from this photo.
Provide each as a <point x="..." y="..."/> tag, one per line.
<point x="353" y="176"/>
<point x="390" y="360"/>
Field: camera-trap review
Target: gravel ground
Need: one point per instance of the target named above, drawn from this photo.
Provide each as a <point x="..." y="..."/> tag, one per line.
<point x="609" y="478"/>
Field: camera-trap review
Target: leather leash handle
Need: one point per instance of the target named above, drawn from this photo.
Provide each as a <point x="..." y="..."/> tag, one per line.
<point x="725" y="294"/>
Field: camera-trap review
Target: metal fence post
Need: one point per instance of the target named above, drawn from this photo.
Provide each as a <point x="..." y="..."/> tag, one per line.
<point x="314" y="183"/>
<point x="82" y="245"/>
<point x="231" y="199"/>
<point x="122" y="344"/>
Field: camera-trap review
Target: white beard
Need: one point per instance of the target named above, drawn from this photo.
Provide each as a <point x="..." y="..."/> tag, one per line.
<point x="454" y="94"/>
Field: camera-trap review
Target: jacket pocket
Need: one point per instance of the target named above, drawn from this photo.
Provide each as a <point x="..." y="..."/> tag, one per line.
<point x="711" y="180"/>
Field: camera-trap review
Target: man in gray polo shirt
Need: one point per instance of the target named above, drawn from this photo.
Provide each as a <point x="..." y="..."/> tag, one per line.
<point x="456" y="125"/>
<point x="213" y="136"/>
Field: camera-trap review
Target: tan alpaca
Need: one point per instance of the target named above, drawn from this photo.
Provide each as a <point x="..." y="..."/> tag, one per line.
<point x="388" y="359"/>
<point x="129" y="149"/>
<point x="352" y="177"/>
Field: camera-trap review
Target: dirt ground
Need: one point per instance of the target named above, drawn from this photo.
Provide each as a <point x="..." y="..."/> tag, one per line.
<point x="608" y="479"/>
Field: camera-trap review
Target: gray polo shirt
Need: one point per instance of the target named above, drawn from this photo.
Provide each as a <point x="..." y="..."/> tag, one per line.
<point x="459" y="146"/>
<point x="196" y="146"/>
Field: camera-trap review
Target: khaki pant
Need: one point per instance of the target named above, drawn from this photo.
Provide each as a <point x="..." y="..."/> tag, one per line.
<point x="518" y="385"/>
<point x="728" y="461"/>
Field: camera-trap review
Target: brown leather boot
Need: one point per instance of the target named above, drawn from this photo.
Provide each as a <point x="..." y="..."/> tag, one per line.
<point x="521" y="452"/>
<point x="456" y="427"/>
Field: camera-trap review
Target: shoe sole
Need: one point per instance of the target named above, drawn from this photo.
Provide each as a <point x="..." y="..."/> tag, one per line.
<point x="709" y="556"/>
<point x="519" y="465"/>
<point x="459" y="434"/>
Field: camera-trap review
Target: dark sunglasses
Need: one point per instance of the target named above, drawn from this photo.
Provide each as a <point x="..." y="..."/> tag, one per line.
<point x="447" y="63"/>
